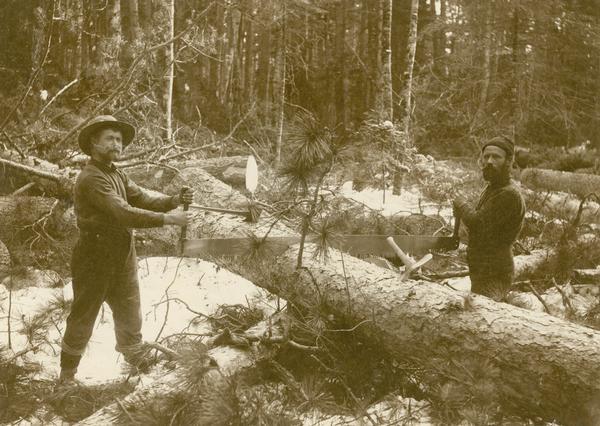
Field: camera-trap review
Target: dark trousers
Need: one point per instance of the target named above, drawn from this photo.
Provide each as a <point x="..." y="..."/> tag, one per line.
<point x="104" y="269"/>
<point x="491" y="274"/>
<point x="495" y="286"/>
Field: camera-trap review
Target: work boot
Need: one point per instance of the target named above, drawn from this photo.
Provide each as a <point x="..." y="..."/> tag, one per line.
<point x="67" y="375"/>
<point x="139" y="357"/>
<point x="66" y="380"/>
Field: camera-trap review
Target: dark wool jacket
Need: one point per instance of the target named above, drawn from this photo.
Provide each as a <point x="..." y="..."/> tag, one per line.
<point x="494" y="225"/>
<point x="106" y="199"/>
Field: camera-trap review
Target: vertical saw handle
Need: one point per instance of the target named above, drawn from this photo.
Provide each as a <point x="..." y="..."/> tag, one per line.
<point x="186" y="207"/>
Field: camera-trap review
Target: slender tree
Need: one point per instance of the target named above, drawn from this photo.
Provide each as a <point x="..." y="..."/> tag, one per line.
<point x="410" y="62"/>
<point x="374" y="57"/>
<point x="387" y="105"/>
<point x="130" y="30"/>
<point x="171" y="77"/>
<point x="340" y="55"/>
<point x="282" y="74"/>
<point x="478" y="117"/>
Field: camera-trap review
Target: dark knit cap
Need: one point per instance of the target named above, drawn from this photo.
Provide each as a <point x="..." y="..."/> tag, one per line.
<point x="503" y="143"/>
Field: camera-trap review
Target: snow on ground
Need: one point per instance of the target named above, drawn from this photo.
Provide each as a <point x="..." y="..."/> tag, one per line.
<point x="202" y="285"/>
<point x="410" y="201"/>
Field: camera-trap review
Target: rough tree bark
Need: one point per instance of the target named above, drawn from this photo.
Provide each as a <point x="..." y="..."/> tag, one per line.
<point x="407" y="93"/>
<point x="340" y="91"/>
<point x="280" y="74"/>
<point x="410" y="62"/>
<point x="387" y="112"/>
<point x="548" y="366"/>
<point x="477" y="122"/>
<point x="171" y="76"/>
<point x="579" y="184"/>
<point x="129" y="29"/>
<point x="373" y="48"/>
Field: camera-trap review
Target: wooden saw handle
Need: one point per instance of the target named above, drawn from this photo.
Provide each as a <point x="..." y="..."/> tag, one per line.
<point x="186" y="207"/>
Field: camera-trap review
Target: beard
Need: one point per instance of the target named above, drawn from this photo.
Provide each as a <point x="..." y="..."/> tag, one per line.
<point x="495" y="174"/>
<point x="109" y="155"/>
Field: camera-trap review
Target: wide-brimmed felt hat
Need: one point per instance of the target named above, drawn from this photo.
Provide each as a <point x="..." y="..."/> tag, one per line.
<point x="104" y="122"/>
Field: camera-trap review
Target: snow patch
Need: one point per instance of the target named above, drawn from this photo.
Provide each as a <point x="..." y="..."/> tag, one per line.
<point x="199" y="284"/>
<point x="410" y="201"/>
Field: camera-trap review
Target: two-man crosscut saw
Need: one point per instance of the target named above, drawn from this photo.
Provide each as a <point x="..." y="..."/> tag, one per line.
<point x="356" y="245"/>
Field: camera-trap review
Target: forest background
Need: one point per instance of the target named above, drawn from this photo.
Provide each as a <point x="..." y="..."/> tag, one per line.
<point x="386" y="78"/>
<point x="449" y="73"/>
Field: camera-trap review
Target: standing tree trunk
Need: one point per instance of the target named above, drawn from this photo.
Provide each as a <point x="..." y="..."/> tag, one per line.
<point x="400" y="24"/>
<point x="89" y="36"/>
<point x="374" y="58"/>
<point x="38" y="46"/>
<point x="340" y="75"/>
<point x="129" y="28"/>
<point x="410" y="62"/>
<point x="263" y="74"/>
<point x="407" y="95"/>
<point x="249" y="54"/>
<point x="110" y="31"/>
<point x="387" y="112"/>
<point x="230" y="71"/>
<point x="281" y="72"/>
<point x="514" y="95"/>
<point x="145" y="9"/>
<point x="439" y="41"/>
<point x="476" y="122"/>
<point x="171" y="77"/>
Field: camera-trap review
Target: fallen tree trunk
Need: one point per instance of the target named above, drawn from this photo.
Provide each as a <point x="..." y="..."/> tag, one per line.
<point x="230" y="170"/>
<point x="217" y="166"/>
<point x="561" y="206"/>
<point x="44" y="174"/>
<point x="59" y="181"/>
<point x="579" y="184"/>
<point x="18" y="212"/>
<point x="225" y="361"/>
<point x="548" y="366"/>
<point x="37" y="229"/>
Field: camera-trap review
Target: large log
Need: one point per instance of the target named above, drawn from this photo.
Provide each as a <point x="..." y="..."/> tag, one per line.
<point x="57" y="180"/>
<point x="37" y="229"/>
<point x="230" y="170"/>
<point x="18" y="212"/>
<point x="579" y="184"/>
<point x="548" y="366"/>
<point x="227" y="361"/>
<point x="561" y="205"/>
<point x="47" y="176"/>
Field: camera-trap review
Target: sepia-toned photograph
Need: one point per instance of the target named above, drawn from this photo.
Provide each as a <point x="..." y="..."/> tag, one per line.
<point x="300" y="212"/>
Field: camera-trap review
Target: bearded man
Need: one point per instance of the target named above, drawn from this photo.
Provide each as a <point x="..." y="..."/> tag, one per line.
<point x="494" y="222"/>
<point x="108" y="205"/>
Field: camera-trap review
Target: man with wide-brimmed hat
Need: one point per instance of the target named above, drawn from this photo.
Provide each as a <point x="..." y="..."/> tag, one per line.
<point x="104" y="267"/>
<point x="494" y="223"/>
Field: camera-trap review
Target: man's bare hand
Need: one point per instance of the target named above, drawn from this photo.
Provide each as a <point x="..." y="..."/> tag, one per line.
<point x="186" y="196"/>
<point x="179" y="218"/>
